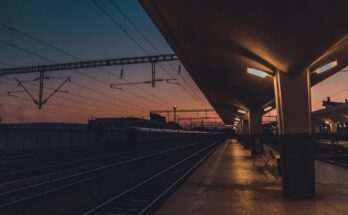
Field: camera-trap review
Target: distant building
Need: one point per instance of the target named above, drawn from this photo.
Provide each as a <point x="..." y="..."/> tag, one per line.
<point x="328" y="103"/>
<point x="173" y="125"/>
<point x="157" y="118"/>
<point x="43" y="125"/>
<point x="128" y="122"/>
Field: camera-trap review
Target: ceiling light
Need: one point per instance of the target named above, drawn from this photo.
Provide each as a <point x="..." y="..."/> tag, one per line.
<point x="257" y="72"/>
<point x="241" y="111"/>
<point x="326" y="67"/>
<point x="267" y="108"/>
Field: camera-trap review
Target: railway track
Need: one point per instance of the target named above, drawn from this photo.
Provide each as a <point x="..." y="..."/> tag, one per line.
<point x="61" y="168"/>
<point x="146" y="196"/>
<point x="20" y="163"/>
<point x="332" y="153"/>
<point x="27" y="199"/>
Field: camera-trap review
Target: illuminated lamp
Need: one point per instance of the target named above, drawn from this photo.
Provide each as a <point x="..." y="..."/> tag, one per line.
<point x="241" y="111"/>
<point x="326" y="67"/>
<point x="267" y="108"/>
<point x="257" y="72"/>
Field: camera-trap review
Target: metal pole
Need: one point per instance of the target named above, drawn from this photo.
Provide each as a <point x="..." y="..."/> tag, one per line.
<point x="174" y="111"/>
<point x="153" y="74"/>
<point x="42" y="74"/>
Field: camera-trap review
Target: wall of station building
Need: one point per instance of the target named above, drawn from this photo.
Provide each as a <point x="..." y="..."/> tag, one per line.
<point x="32" y="139"/>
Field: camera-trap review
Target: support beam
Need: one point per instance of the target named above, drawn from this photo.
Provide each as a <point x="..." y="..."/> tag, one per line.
<point x="292" y="95"/>
<point x="41" y="86"/>
<point x="255" y="118"/>
<point x="245" y="133"/>
<point x="89" y="64"/>
<point x="245" y="127"/>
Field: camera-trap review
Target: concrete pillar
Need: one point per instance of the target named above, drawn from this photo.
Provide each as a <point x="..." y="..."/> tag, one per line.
<point x="244" y="133"/>
<point x="239" y="128"/>
<point x="292" y="95"/>
<point x="245" y="126"/>
<point x="333" y="127"/>
<point x="255" y="119"/>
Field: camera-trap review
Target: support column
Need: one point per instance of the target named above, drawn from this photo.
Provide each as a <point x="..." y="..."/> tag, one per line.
<point x="245" y="126"/>
<point x="245" y="133"/>
<point x="333" y="127"/>
<point x="239" y="129"/>
<point x="255" y="118"/>
<point x="292" y="95"/>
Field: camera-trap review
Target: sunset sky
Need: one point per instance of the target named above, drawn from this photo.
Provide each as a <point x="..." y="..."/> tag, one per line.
<point x="81" y="29"/>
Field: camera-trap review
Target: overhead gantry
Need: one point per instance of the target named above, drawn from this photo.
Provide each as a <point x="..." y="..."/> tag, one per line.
<point x="249" y="55"/>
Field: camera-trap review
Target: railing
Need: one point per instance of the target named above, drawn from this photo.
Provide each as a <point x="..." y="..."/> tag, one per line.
<point x="332" y="148"/>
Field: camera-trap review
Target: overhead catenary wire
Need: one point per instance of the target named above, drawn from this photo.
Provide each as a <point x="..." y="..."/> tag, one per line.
<point x="114" y="4"/>
<point x="151" y="44"/>
<point x="56" y="108"/>
<point x="68" y="54"/>
<point x="339" y="92"/>
<point x="95" y="108"/>
<point x="79" y="96"/>
<point x="29" y="110"/>
<point x="89" y="112"/>
<point x="93" y="90"/>
<point x="78" y="72"/>
<point x="137" y="43"/>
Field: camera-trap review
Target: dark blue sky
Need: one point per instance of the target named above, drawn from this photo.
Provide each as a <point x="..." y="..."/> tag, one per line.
<point x="76" y="26"/>
<point x="80" y="28"/>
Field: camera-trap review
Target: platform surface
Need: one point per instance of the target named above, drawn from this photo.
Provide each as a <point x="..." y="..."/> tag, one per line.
<point x="228" y="183"/>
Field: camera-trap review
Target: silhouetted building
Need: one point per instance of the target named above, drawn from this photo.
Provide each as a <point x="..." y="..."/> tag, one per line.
<point x="328" y="103"/>
<point x="157" y="118"/>
<point x="128" y="122"/>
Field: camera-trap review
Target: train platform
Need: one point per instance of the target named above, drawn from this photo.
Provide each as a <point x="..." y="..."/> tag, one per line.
<point x="228" y="183"/>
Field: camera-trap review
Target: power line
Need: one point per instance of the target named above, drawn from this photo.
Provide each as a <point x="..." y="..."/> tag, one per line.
<point x="102" y="94"/>
<point x="61" y="51"/>
<point x="119" y="26"/>
<point x="83" y="74"/>
<point x="339" y="92"/>
<point x="80" y="96"/>
<point x="135" y="26"/>
<point x="136" y="42"/>
<point x="67" y="99"/>
<point x="60" y="110"/>
<point x="149" y="41"/>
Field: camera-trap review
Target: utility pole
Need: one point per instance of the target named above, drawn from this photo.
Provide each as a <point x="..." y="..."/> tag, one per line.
<point x="42" y="76"/>
<point x="40" y="101"/>
<point x="174" y="111"/>
<point x="153" y="72"/>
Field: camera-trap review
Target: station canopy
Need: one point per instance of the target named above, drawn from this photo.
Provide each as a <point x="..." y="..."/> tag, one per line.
<point x="218" y="40"/>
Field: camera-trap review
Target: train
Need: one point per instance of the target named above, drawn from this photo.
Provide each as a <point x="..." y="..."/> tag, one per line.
<point x="139" y="131"/>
